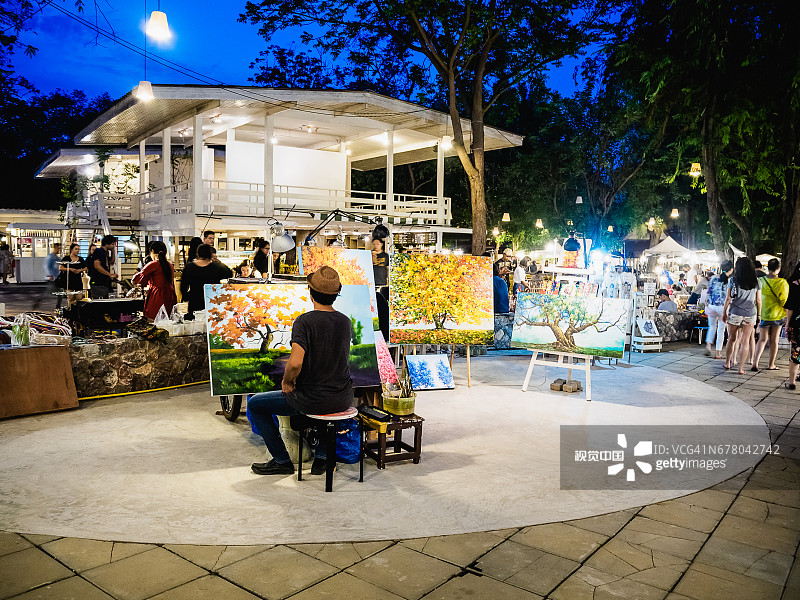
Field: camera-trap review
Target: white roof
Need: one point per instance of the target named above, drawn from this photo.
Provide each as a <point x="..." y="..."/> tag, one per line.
<point x="669" y="247"/>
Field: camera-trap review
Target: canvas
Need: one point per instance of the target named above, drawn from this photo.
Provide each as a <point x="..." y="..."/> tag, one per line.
<point x="430" y="372"/>
<point x="385" y="363"/>
<point x="440" y="299"/>
<point x="250" y="327"/>
<point x="576" y="324"/>
<point x="354" y="267"/>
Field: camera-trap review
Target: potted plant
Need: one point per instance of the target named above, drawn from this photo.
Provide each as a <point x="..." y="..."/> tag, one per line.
<point x="399" y="398"/>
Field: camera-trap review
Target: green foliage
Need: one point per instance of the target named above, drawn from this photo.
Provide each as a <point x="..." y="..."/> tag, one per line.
<point x="357" y="331"/>
<point x="245" y="371"/>
<point x="217" y="342"/>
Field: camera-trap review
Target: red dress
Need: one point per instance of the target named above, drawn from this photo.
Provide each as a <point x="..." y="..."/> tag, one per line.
<point x="159" y="291"/>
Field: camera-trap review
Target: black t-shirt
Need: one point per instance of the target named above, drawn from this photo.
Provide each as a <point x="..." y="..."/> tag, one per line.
<point x="793" y="303"/>
<point x="572" y="245"/>
<point x="324" y="385"/>
<point x="193" y="281"/>
<point x="74" y="280"/>
<point x="97" y="277"/>
<point x="381" y="269"/>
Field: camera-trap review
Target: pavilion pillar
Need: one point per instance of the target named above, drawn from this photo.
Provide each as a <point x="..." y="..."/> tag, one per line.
<point x="269" y="166"/>
<point x="142" y="168"/>
<point x="440" y="216"/>
<point x="390" y="174"/>
<point x="197" y="163"/>
<point x="166" y="153"/>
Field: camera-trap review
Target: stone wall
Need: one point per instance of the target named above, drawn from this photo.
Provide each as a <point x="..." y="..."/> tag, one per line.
<point x="503" y="327"/>
<point x="130" y="364"/>
<point x="674" y="327"/>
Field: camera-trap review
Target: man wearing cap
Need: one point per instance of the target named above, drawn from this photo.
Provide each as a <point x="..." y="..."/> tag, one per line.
<point x="316" y="380"/>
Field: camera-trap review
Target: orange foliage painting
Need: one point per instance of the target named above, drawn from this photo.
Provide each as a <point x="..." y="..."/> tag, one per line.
<point x="440" y="299"/>
<point x="354" y="266"/>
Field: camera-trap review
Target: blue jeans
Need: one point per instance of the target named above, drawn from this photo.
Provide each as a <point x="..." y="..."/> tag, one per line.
<point x="262" y="407"/>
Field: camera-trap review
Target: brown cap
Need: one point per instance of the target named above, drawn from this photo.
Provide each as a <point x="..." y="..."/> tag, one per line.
<point x="325" y="280"/>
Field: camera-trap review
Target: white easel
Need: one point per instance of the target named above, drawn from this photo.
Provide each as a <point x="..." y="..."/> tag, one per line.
<point x="563" y="360"/>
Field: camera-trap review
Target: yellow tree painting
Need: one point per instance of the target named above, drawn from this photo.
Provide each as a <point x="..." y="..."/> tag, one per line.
<point x="440" y="299"/>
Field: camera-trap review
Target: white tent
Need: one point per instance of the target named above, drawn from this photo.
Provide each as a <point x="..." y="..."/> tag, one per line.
<point x="736" y="252"/>
<point x="669" y="247"/>
<point x="765" y="258"/>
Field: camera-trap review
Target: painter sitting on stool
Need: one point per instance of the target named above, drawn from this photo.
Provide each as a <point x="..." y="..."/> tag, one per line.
<point x="317" y="376"/>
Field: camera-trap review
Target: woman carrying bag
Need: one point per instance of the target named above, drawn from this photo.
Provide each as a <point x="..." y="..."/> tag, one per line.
<point x="741" y="310"/>
<point x="158" y="276"/>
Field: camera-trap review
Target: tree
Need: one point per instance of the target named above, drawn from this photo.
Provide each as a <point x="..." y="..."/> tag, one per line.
<point x="443" y="290"/>
<point x="474" y="51"/>
<point x="564" y="316"/>
<point x="242" y="314"/>
<point x="727" y="73"/>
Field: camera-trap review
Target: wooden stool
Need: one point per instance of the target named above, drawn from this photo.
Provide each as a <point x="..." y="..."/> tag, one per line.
<point x="376" y="449"/>
<point x="302" y="423"/>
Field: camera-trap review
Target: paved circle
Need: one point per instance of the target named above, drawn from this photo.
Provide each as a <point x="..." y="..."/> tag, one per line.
<point x="163" y="468"/>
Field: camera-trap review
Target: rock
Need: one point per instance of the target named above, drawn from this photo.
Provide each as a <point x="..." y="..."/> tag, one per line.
<point x="98" y="367"/>
<point x="556" y="387"/>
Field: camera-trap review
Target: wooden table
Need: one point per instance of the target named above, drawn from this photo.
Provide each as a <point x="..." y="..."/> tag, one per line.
<point x="400" y="450"/>
<point x="36" y="379"/>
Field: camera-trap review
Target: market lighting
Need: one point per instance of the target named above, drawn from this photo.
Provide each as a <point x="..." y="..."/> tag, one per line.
<point x="273" y="140"/>
<point x="610" y="229"/>
<point x="157" y="27"/>
<point x="539" y="224"/>
<point x="495" y="231"/>
<point x="674" y="214"/>
<point x="695" y="171"/>
<point x="579" y="200"/>
<point x="651" y="222"/>
<point x="447" y="142"/>
<point x="506" y="218"/>
<point x="144" y="91"/>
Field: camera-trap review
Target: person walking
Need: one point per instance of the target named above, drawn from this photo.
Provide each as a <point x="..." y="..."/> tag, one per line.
<point x="6" y="262"/>
<point x="741" y="310"/>
<point x="717" y="290"/>
<point x="792" y="307"/>
<point x="774" y="294"/>
<point x="158" y="277"/>
<point x="197" y="274"/>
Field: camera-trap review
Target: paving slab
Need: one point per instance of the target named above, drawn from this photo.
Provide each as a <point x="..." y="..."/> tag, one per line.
<point x="214" y="558"/>
<point x="277" y="573"/>
<point x="561" y="539"/>
<point x="26" y="569"/>
<point x="143" y="575"/>
<point x="404" y="572"/>
<point x="210" y="587"/>
<point x="472" y="586"/>
<point x="12" y="542"/>
<point x="344" y="586"/>
<point x="81" y="554"/>
<point x="462" y="549"/>
<point x="73" y="588"/>
<point x="760" y="535"/>
<point x="705" y="582"/>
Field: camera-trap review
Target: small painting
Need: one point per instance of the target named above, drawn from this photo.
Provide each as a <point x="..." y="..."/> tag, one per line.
<point x="430" y="372"/>
<point x="250" y="328"/>
<point x="385" y="363"/>
<point x="440" y="299"/>
<point x="647" y="327"/>
<point x="593" y="326"/>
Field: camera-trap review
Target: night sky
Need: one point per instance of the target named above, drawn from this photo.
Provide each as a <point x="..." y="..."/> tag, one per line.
<point x="206" y="38"/>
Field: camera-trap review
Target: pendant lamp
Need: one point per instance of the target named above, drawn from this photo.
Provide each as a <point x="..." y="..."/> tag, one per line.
<point x="157" y="27"/>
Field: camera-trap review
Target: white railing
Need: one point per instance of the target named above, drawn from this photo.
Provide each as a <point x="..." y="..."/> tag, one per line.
<point x="242" y="199"/>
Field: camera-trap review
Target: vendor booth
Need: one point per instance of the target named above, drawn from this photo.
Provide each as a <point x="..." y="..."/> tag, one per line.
<point x="31" y="243"/>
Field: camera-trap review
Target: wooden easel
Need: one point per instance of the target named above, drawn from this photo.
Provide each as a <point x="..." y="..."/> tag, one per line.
<point x="563" y="360"/>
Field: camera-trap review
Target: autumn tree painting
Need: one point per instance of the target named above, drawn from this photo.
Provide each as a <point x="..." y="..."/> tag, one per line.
<point x="575" y="324"/>
<point x="354" y="267"/>
<point x="440" y="299"/>
<point x="250" y="327"/>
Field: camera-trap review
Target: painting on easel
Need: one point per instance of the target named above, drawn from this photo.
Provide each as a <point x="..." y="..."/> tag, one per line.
<point x="440" y="299"/>
<point x="571" y="324"/>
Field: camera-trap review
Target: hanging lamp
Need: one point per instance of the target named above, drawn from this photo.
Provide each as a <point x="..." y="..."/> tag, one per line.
<point x="506" y="217"/>
<point x="695" y="171"/>
<point x="674" y="214"/>
<point x="539" y="224"/>
<point x="157" y="26"/>
<point x="579" y="200"/>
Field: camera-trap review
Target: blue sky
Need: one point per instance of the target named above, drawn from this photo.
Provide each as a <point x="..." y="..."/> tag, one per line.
<point x="207" y="38"/>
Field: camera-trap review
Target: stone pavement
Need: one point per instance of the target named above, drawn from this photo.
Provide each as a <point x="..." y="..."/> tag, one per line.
<point x="732" y="541"/>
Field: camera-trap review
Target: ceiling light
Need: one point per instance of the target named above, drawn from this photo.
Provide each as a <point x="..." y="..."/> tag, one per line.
<point x="447" y="142"/>
<point x="273" y="140"/>
<point x="157" y="27"/>
<point x="216" y="118"/>
<point x="144" y="91"/>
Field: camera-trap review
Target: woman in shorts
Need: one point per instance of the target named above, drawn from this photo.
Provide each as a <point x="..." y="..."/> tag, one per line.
<point x="741" y="310"/>
<point x="792" y="307"/>
<point x="774" y="294"/>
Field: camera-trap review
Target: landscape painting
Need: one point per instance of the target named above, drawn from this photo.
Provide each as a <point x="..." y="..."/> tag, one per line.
<point x="440" y="299"/>
<point x="575" y="324"/>
<point x="429" y="372"/>
<point x="354" y="267"/>
<point x="250" y="327"/>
